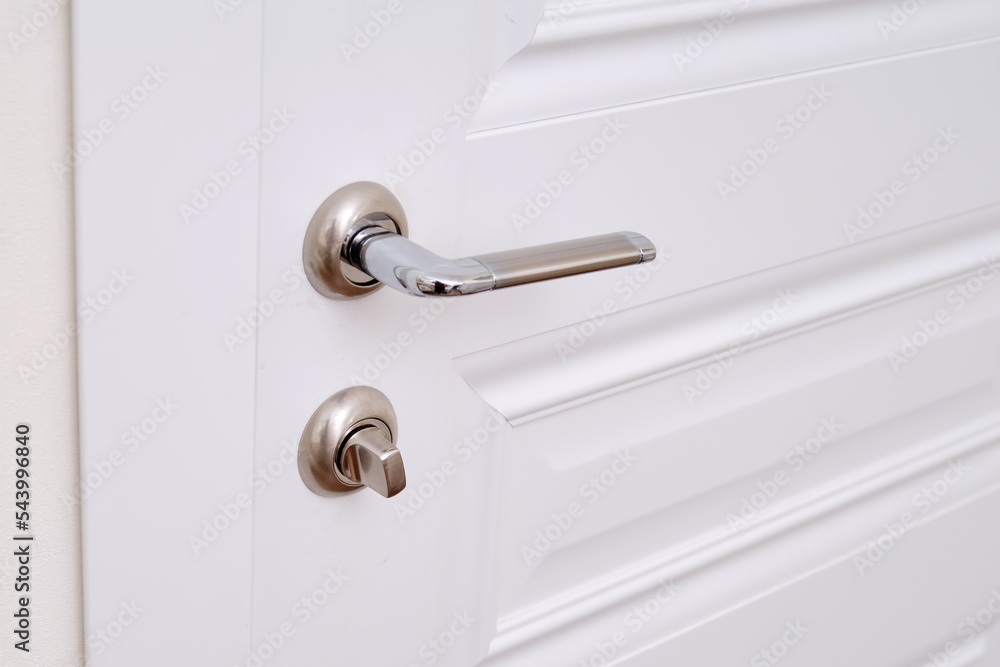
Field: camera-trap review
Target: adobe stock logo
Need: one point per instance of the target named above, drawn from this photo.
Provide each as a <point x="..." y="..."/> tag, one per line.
<point x="562" y="522"/>
<point x="364" y="34"/>
<point x="635" y="620"/>
<point x="751" y="330"/>
<point x="420" y="491"/>
<point x="779" y="648"/>
<point x="217" y="181"/>
<point x="122" y="107"/>
<point x="626" y="287"/>
<point x="787" y="126"/>
<point x="434" y="649"/>
<point x="581" y="159"/>
<point x="101" y="639"/>
<point x="796" y="459"/>
<point x="899" y="17"/>
<point x="453" y="119"/>
<point x="31" y="26"/>
<point x="923" y="501"/>
<point x="132" y="440"/>
<point x="913" y="169"/>
<point x="950" y="653"/>
<point x="697" y="45"/>
<point x="266" y="646"/>
<point x="926" y="330"/>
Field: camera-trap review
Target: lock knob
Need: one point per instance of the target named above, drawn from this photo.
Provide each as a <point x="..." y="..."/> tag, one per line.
<point x="349" y="443"/>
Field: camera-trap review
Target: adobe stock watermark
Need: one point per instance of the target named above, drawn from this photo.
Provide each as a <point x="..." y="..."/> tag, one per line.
<point x="100" y="640"/>
<point x="557" y="13"/>
<point x="246" y="325"/>
<point x="899" y="16"/>
<point x="431" y="651"/>
<point x="223" y="8"/>
<point x="913" y="169"/>
<point x="121" y="108"/>
<point x="47" y="352"/>
<point x="750" y="331"/>
<point x="87" y="310"/>
<point x="137" y="436"/>
<point x="625" y="288"/>
<point x="786" y="128"/>
<point x="246" y="152"/>
<point x="434" y="480"/>
<point x="418" y="322"/>
<point x="580" y="160"/>
<point x="302" y="610"/>
<point x="231" y="511"/>
<point x="927" y="329"/>
<point x="779" y="648"/>
<point x="453" y="119"/>
<point x="701" y="42"/>
<point x="635" y="620"/>
<point x="795" y="460"/>
<point x="971" y="627"/>
<point x="590" y="491"/>
<point x="32" y="25"/>
<point x="922" y="502"/>
<point x="366" y="33"/>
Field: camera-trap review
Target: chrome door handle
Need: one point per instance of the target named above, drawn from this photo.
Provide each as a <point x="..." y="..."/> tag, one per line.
<point x="356" y="242"/>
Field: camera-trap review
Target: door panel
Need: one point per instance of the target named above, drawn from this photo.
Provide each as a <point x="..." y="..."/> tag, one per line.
<point x="373" y="115"/>
<point x="588" y="55"/>
<point x="663" y="172"/>
<point x="891" y="612"/>
<point x="713" y="401"/>
<point x="782" y="432"/>
<point x="164" y="98"/>
<point x="684" y="462"/>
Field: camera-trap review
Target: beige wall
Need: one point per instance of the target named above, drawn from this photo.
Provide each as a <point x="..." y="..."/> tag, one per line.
<point x="37" y="319"/>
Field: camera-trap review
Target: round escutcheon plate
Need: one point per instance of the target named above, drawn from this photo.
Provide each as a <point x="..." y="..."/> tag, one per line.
<point x="327" y="236"/>
<point x="336" y="420"/>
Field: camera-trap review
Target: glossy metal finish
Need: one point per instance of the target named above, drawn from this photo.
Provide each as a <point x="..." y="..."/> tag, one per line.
<point x="370" y="459"/>
<point x="325" y="246"/>
<point x="567" y="258"/>
<point x="348" y="443"/>
<point x="361" y="229"/>
<point x="402" y="264"/>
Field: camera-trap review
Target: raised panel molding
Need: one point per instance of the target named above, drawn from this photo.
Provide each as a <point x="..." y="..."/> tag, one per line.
<point x="825" y="356"/>
<point x="533" y="377"/>
<point x="818" y="537"/>
<point x="589" y="55"/>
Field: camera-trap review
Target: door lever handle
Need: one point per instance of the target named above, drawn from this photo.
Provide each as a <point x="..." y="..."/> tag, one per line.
<point x="357" y="242"/>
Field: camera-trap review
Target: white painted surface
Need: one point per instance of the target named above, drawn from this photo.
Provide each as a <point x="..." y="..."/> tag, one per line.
<point x="163" y="400"/>
<point x="37" y="316"/>
<point x="590" y="54"/>
<point x="683" y="391"/>
<point x="413" y="573"/>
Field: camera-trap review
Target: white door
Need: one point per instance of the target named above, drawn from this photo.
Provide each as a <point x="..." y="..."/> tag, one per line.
<point x="775" y="443"/>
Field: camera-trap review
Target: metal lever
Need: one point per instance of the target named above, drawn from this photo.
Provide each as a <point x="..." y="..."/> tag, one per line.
<point x="369" y="459"/>
<point x="356" y="242"/>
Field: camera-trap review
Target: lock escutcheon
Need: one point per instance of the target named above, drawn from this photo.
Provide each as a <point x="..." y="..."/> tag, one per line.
<point x="349" y="443"/>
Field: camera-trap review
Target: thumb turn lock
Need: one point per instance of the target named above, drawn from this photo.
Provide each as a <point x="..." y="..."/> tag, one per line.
<point x="355" y="243"/>
<point x="349" y="443"/>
